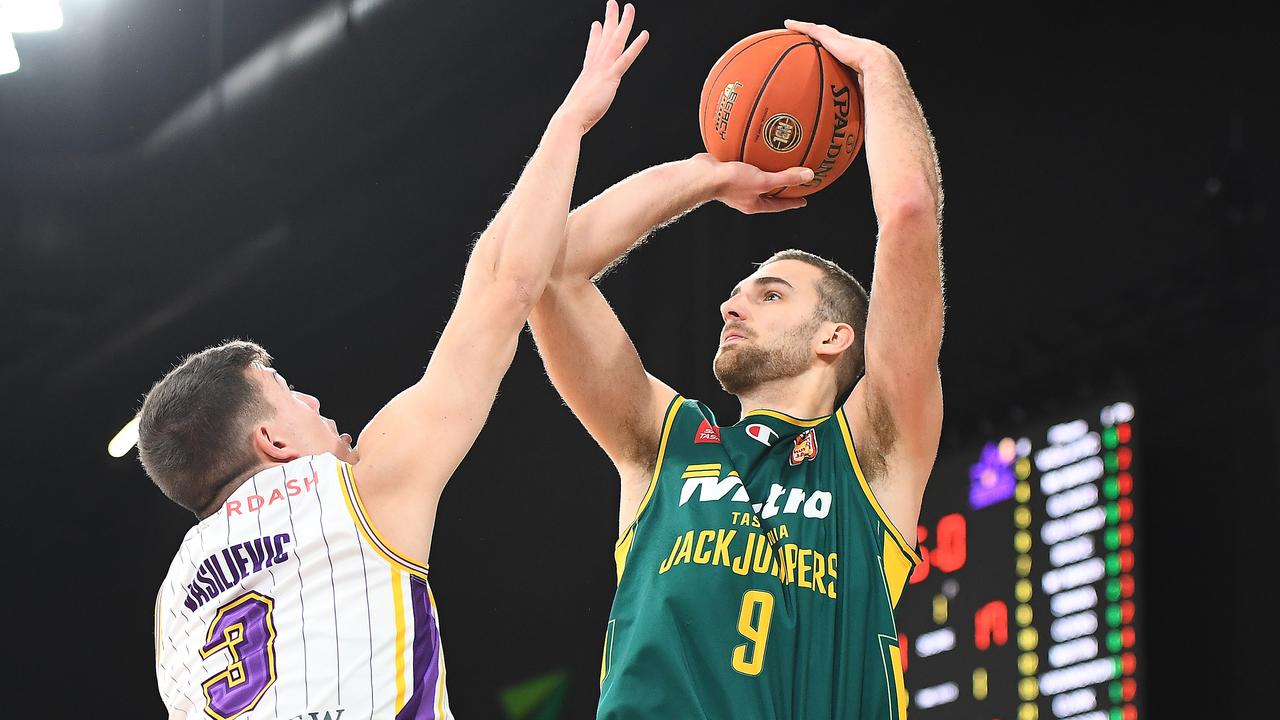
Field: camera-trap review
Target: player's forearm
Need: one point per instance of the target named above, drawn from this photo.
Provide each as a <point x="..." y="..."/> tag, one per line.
<point x="521" y="244"/>
<point x="904" y="323"/>
<point x="901" y="159"/>
<point x="604" y="230"/>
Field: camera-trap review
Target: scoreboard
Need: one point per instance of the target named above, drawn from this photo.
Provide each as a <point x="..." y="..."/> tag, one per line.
<point x="1025" y="605"/>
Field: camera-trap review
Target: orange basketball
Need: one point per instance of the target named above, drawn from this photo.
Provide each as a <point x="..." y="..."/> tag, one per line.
<point x="778" y="99"/>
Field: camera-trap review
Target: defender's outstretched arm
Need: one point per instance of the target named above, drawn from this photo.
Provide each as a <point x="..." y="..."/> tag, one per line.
<point x="413" y="445"/>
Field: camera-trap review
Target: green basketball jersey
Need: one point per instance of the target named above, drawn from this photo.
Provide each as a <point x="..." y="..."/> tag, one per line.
<point x="758" y="579"/>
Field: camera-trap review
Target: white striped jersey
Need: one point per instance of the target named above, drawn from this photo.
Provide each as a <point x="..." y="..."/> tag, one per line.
<point x="287" y="604"/>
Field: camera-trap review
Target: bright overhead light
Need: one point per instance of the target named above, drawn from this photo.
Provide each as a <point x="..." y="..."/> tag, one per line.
<point x="124" y="440"/>
<point x="31" y="15"/>
<point x="8" y="53"/>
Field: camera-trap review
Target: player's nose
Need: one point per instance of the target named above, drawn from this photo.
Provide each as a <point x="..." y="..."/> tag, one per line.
<point x="732" y="309"/>
<point x="311" y="400"/>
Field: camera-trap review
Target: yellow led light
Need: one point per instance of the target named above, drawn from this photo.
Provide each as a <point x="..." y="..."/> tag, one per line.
<point x="980" y="684"/>
<point x="1022" y="541"/>
<point x="1028" y="638"/>
<point x="1028" y="711"/>
<point x="1028" y="663"/>
<point x="1022" y="492"/>
<point x="1022" y="590"/>
<point x="940" y="608"/>
<point x="1022" y="517"/>
<point x="1023" y="614"/>
<point x="1024" y="565"/>
<point x="1028" y="689"/>
<point x="1022" y="468"/>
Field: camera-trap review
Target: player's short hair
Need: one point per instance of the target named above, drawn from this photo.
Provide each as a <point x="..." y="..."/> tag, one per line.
<point x="194" y="423"/>
<point x="841" y="298"/>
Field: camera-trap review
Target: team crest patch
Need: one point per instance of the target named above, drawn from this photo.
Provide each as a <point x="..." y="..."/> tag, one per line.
<point x="806" y="447"/>
<point x="707" y="433"/>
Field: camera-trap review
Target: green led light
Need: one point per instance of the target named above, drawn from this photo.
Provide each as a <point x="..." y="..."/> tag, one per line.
<point x="1116" y="692"/>
<point x="1113" y="589"/>
<point x="1113" y="514"/>
<point x="1111" y="462"/>
<point x="1116" y="714"/>
<point x="1114" y="642"/>
<point x="1113" y="564"/>
<point x="1114" y="615"/>
<point x="1109" y="438"/>
<point x="1112" y="538"/>
<point x="1111" y="488"/>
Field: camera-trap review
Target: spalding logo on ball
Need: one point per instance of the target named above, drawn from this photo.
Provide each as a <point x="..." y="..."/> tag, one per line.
<point x="777" y="100"/>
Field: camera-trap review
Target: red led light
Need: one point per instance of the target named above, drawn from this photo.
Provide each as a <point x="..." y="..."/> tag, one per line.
<point x="1125" y="506"/>
<point x="1127" y="637"/>
<point x="1128" y="688"/>
<point x="1126" y="586"/>
<point x="950" y="552"/>
<point x="902" y="650"/>
<point x="1126" y="534"/>
<point x="1128" y="663"/>
<point x="1126" y="612"/>
<point x="1124" y="458"/>
<point x="1126" y="560"/>
<point x="922" y="570"/>
<point x="1124" y="432"/>
<point x="1124" y="483"/>
<point x="991" y="625"/>
<point x="1130" y="713"/>
<point x="922" y="533"/>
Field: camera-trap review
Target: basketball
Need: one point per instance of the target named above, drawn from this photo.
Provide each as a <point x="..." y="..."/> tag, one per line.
<point x="778" y="99"/>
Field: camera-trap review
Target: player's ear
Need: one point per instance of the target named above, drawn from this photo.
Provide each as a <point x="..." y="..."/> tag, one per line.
<point x="833" y="338"/>
<point x="272" y="445"/>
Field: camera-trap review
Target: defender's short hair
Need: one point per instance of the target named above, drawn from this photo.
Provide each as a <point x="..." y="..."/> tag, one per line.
<point x="194" y="423"/>
<point x="841" y="298"/>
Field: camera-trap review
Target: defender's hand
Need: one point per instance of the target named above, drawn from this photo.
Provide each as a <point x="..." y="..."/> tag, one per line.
<point x="745" y="187"/>
<point x="855" y="52"/>
<point x="608" y="58"/>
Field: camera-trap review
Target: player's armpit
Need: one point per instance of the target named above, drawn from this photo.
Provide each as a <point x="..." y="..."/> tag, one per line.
<point x="895" y="432"/>
<point x="595" y="367"/>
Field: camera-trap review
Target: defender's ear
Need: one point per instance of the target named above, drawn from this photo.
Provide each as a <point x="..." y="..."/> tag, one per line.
<point x="272" y="447"/>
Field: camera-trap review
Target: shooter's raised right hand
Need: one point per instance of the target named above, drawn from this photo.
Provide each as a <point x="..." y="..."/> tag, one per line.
<point x="608" y="58"/>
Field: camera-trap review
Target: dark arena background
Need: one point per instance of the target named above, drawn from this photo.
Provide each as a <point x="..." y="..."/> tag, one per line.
<point x="1099" y="526"/>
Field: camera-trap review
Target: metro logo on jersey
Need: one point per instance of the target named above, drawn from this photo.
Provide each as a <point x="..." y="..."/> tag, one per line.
<point x="707" y="433"/>
<point x="806" y="447"/>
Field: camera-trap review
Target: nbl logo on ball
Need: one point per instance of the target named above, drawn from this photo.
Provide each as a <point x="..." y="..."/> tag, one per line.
<point x="782" y="132"/>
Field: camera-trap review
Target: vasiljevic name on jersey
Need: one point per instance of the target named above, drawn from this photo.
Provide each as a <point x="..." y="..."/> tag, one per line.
<point x="225" y="570"/>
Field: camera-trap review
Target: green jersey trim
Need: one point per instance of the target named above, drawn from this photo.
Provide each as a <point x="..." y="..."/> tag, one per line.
<point x="898" y="539"/>
<point x="788" y="418"/>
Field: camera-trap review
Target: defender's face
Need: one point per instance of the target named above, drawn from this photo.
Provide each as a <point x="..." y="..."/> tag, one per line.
<point x="298" y="419"/>
<point x="768" y="325"/>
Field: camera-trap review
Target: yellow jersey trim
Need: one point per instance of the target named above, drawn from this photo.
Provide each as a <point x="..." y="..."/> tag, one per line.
<point x="787" y="418"/>
<point x="361" y="517"/>
<point x="866" y="490"/>
<point x="397" y="589"/>
<point x="623" y="546"/>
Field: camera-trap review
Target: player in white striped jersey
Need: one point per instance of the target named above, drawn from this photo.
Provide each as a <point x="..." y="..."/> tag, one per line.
<point x="302" y="591"/>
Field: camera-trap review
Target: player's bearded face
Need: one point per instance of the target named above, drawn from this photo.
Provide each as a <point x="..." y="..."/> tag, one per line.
<point x="747" y="364"/>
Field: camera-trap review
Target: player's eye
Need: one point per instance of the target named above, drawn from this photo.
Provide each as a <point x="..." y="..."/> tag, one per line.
<point x="772" y="295"/>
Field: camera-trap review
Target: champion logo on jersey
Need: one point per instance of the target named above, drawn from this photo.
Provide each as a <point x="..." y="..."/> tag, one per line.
<point x="806" y="447"/>
<point x="762" y="434"/>
<point x="707" y="433"/>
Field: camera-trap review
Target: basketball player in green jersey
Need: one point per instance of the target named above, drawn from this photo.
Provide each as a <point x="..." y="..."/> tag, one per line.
<point x="759" y="563"/>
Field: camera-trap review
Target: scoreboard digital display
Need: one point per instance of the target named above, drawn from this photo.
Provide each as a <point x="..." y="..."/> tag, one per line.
<point x="1024" y="606"/>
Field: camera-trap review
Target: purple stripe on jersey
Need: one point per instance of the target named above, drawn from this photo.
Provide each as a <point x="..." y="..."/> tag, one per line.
<point x="426" y="655"/>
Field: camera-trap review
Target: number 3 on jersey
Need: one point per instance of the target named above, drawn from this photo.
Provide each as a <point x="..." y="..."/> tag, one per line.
<point x="242" y="628"/>
<point x="753" y="624"/>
